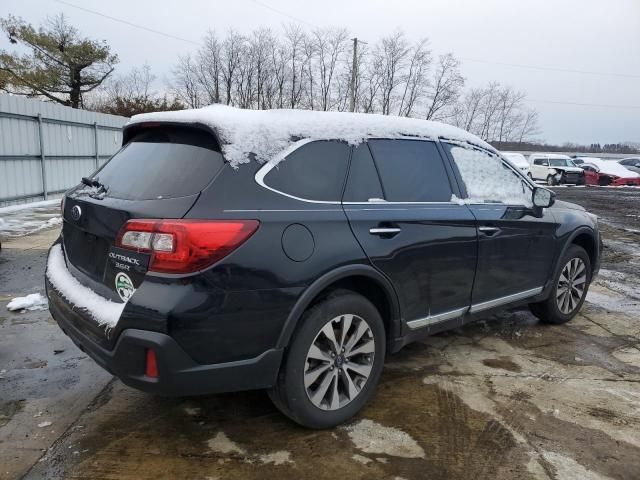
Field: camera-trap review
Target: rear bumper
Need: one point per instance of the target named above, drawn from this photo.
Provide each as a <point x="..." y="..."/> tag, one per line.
<point x="178" y="373"/>
<point x="630" y="182"/>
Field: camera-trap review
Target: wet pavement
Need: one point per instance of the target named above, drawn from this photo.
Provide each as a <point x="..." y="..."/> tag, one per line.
<point x="502" y="398"/>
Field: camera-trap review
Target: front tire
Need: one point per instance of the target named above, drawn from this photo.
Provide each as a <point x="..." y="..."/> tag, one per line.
<point x="333" y="362"/>
<point x="571" y="285"/>
<point x="551" y="180"/>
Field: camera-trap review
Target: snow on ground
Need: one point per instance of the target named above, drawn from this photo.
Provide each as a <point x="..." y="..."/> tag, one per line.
<point x="266" y="133"/>
<point x="20" y="220"/>
<point x="33" y="301"/>
<point x="371" y="437"/>
<point x="26" y="206"/>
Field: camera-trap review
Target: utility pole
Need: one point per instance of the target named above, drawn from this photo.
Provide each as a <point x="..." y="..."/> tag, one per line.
<point x="354" y="67"/>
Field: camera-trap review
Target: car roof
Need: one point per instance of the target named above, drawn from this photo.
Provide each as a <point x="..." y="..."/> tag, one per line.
<point x="264" y="134"/>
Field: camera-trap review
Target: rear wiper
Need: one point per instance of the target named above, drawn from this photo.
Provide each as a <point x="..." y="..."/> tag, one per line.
<point x="90" y="182"/>
<point x="100" y="189"/>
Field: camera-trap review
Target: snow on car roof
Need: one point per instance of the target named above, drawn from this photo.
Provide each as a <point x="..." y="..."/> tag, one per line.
<point x="550" y="155"/>
<point x="612" y="167"/>
<point x="265" y="133"/>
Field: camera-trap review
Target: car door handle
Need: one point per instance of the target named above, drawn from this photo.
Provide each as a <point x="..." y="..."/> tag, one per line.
<point x="384" y="230"/>
<point x="489" y="231"/>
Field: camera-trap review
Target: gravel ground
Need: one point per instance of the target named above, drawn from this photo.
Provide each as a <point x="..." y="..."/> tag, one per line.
<point x="502" y="398"/>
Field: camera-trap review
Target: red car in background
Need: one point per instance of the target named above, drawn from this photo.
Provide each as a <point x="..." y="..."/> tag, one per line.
<point x="605" y="173"/>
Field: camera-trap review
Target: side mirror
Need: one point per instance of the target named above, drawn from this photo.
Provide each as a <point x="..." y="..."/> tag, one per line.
<point x="542" y="198"/>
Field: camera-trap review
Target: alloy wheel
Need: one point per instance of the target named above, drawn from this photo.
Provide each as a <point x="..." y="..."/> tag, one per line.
<point x="339" y="362"/>
<point x="571" y="285"/>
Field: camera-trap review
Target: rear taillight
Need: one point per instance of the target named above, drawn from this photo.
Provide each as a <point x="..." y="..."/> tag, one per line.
<point x="184" y="246"/>
<point x="151" y="363"/>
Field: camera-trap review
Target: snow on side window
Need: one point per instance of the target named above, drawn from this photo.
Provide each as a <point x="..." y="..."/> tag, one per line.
<point x="488" y="179"/>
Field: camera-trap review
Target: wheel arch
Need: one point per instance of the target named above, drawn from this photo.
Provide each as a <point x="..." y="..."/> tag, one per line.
<point x="362" y="279"/>
<point x="581" y="236"/>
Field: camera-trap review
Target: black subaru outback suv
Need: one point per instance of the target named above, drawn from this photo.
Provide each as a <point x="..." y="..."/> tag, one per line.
<point x="220" y="250"/>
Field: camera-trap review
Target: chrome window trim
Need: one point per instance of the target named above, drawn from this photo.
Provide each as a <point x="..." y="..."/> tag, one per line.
<point x="479" y="307"/>
<point x="271" y="164"/>
<point x="433" y="319"/>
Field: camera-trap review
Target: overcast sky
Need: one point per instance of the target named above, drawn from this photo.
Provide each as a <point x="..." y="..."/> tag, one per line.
<point x="580" y="35"/>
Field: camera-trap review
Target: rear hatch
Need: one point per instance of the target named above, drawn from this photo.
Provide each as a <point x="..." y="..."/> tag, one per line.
<point x="159" y="173"/>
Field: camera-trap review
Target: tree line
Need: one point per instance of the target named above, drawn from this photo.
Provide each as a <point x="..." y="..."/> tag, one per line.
<point x="318" y="70"/>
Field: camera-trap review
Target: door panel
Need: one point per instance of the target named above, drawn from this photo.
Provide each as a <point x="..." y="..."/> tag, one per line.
<point x="398" y="202"/>
<point x="516" y="257"/>
<point x="431" y="260"/>
<point x="515" y="249"/>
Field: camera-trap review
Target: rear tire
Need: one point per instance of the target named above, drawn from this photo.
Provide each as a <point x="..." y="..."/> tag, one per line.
<point x="325" y="381"/>
<point x="570" y="288"/>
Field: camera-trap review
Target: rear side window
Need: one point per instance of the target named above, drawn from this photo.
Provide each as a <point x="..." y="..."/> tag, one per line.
<point x="411" y="171"/>
<point x="162" y="162"/>
<point x="315" y="171"/>
<point x="364" y="183"/>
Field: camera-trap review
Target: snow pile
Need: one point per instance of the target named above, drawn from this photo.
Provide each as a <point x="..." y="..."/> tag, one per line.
<point x="103" y="311"/>
<point x="23" y="206"/>
<point x="28" y="223"/>
<point x="33" y="301"/>
<point x="612" y="168"/>
<point x="488" y="180"/>
<point x="265" y="133"/>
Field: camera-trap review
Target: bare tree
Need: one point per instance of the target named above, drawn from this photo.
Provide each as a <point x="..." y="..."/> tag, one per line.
<point x="391" y="55"/>
<point x="209" y="67"/>
<point x="415" y="81"/>
<point x="295" y="39"/>
<point x="186" y="84"/>
<point x="529" y="126"/>
<point x="230" y="54"/>
<point x="446" y="87"/>
<point x="329" y="46"/>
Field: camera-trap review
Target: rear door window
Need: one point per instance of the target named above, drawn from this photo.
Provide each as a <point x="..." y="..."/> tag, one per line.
<point x="363" y="183"/>
<point x="315" y="171"/>
<point x="411" y="171"/>
<point x="162" y="162"/>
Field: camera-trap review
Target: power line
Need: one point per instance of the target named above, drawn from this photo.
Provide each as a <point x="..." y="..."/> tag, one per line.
<point x="551" y="69"/>
<point x="131" y="24"/>
<point x="257" y="2"/>
<point x="268" y="7"/>
<point x="601" y="105"/>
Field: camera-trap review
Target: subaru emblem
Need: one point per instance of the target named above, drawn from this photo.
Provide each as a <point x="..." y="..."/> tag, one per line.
<point x="76" y="211"/>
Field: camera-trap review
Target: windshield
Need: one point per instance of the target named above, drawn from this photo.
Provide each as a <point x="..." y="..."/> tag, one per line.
<point x="561" y="162"/>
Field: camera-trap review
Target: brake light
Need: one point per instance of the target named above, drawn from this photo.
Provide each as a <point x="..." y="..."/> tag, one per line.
<point x="185" y="246"/>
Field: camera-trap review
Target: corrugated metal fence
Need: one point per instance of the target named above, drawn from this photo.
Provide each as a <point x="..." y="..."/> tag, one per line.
<point x="46" y="148"/>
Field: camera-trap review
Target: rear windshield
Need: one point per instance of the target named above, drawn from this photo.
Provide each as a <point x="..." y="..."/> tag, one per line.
<point x="162" y="162"/>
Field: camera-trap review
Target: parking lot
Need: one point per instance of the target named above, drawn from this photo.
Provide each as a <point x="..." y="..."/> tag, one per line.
<point x="502" y="398"/>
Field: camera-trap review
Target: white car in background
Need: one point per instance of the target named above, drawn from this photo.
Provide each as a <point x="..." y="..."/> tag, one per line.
<point x="555" y="169"/>
<point x="519" y="160"/>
